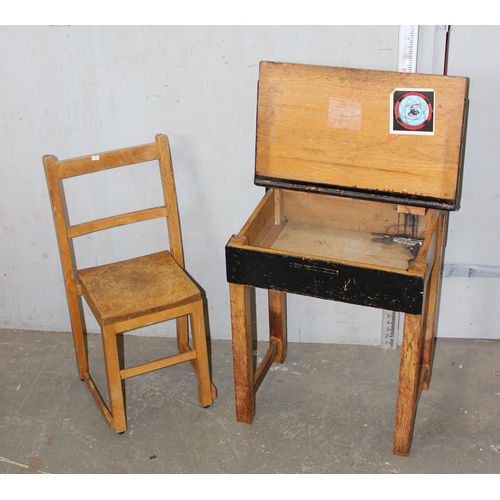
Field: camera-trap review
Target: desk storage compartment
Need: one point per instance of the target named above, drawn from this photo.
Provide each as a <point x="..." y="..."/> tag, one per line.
<point x="335" y="248"/>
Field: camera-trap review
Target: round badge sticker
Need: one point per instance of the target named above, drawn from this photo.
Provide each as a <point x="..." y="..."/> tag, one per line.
<point x="413" y="111"/>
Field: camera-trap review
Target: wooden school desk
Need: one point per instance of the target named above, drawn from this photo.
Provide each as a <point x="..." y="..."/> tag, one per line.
<point x="362" y="168"/>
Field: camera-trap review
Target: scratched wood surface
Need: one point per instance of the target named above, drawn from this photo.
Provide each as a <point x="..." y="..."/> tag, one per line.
<point x="133" y="288"/>
<point x="344" y="229"/>
<point x="331" y="126"/>
<point x="349" y="213"/>
<point x="346" y="245"/>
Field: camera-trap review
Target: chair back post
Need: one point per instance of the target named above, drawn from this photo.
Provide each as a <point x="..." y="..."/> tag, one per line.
<point x="61" y="221"/>
<point x="170" y="197"/>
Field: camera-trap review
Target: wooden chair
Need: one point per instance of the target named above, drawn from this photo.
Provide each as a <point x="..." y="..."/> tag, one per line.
<point x="132" y="293"/>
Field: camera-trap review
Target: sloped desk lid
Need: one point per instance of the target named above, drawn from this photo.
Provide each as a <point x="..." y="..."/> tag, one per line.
<point x="361" y="133"/>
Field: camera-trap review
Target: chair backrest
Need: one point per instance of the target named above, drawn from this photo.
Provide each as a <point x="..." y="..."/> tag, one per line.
<point x="57" y="171"/>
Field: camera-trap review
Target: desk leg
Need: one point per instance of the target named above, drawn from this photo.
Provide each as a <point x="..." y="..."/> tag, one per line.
<point x="409" y="384"/>
<point x="431" y="304"/>
<point x="242" y="352"/>
<point x="277" y="322"/>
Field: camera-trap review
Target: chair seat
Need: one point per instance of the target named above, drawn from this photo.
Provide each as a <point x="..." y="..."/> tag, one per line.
<point x="136" y="287"/>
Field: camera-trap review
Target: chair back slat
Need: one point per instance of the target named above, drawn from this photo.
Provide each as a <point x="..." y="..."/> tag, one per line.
<point x="116" y="220"/>
<point x="109" y="159"/>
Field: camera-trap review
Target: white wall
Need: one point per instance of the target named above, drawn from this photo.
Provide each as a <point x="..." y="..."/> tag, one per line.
<point x="71" y="91"/>
<point x="470" y="306"/>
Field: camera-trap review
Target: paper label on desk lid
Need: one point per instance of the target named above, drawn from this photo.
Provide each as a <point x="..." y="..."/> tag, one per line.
<point x="412" y="111"/>
<point x="344" y="114"/>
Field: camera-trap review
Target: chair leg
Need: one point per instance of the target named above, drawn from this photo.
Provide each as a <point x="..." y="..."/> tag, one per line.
<point x="409" y="384"/>
<point x="80" y="351"/>
<point x="182" y="333"/>
<point x="202" y="369"/>
<point x="115" y="389"/>
<point x="242" y="353"/>
<point x="77" y="328"/>
<point x="277" y="323"/>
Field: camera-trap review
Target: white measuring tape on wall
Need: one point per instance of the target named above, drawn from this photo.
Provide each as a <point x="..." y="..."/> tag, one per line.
<point x="407" y="49"/>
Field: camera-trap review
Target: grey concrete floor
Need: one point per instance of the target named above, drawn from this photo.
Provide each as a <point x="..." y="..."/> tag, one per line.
<point x="329" y="409"/>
